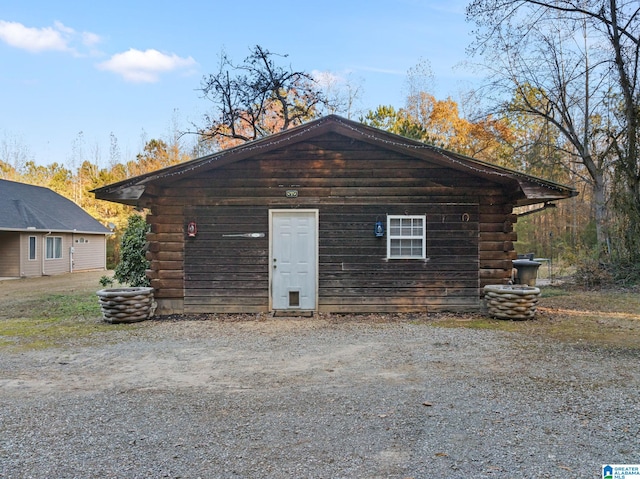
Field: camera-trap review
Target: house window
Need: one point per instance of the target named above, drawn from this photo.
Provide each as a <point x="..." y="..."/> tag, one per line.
<point x="406" y="237"/>
<point x="54" y="247"/>
<point x="32" y="247"/>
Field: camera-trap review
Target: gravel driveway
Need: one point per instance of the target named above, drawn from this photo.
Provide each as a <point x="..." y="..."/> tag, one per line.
<point x="317" y="398"/>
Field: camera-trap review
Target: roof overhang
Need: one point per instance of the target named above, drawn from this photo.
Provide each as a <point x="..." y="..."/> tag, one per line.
<point x="57" y="231"/>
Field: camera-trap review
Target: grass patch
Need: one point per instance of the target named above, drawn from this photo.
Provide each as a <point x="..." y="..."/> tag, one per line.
<point x="52" y="320"/>
<point x="31" y="334"/>
<point x="69" y="305"/>
<point x="553" y="292"/>
<point x="609" y="319"/>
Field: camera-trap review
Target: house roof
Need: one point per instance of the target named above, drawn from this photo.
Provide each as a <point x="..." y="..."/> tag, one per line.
<point x="527" y="189"/>
<point x="34" y="208"/>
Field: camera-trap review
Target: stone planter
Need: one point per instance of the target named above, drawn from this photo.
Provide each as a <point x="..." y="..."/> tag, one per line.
<point x="126" y="305"/>
<point x="511" y="301"/>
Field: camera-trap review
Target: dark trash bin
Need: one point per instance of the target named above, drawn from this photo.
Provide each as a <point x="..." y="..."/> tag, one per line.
<point x="527" y="271"/>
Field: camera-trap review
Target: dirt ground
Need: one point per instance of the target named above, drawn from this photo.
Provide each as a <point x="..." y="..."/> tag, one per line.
<point x="33" y="287"/>
<point x="323" y="397"/>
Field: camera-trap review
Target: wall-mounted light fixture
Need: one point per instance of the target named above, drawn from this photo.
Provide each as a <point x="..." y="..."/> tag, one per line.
<point x="192" y="229"/>
<point x="379" y="229"/>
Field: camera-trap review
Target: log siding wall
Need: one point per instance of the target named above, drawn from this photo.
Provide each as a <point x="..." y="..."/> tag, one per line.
<point x="352" y="184"/>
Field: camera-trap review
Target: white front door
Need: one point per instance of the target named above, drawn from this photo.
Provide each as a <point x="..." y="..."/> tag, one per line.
<point x="293" y="259"/>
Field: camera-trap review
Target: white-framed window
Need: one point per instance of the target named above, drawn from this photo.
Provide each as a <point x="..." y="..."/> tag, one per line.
<point x="32" y="248"/>
<point x="406" y="237"/>
<point x="54" y="247"/>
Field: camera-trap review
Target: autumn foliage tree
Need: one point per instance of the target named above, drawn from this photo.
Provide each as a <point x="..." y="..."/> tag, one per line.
<point x="438" y="122"/>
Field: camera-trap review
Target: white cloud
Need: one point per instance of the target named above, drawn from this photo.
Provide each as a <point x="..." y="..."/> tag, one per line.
<point x="63" y="28"/>
<point x="327" y="78"/>
<point x="56" y="38"/>
<point x="145" y="66"/>
<point x="32" y="39"/>
<point x="89" y="39"/>
<point x="133" y="65"/>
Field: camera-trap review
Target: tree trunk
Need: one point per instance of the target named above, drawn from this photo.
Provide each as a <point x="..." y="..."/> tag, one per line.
<point x="600" y="207"/>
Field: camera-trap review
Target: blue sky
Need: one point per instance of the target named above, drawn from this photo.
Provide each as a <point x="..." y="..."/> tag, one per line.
<point x="133" y="68"/>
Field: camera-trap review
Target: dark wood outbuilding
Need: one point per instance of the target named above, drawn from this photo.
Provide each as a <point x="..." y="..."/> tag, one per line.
<point x="331" y="216"/>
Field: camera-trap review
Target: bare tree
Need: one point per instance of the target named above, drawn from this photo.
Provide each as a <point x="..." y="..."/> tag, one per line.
<point x="257" y="98"/>
<point x="420" y="81"/>
<point x="573" y="63"/>
<point x="14" y="155"/>
<point x="341" y="93"/>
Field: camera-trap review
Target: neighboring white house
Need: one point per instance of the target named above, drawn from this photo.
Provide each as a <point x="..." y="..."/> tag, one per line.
<point x="43" y="233"/>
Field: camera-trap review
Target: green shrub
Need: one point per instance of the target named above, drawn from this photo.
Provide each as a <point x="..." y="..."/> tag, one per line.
<point x="133" y="264"/>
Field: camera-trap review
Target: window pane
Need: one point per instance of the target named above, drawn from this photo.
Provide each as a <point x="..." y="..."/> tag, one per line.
<point x="416" y="247"/>
<point x="32" y="247"/>
<point x="394" y="229"/>
<point x="53" y="247"/>
<point x="405" y="247"/>
<point x="58" y="243"/>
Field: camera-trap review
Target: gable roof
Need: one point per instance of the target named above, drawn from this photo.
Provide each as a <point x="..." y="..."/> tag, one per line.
<point x="526" y="189"/>
<point x="34" y="208"/>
